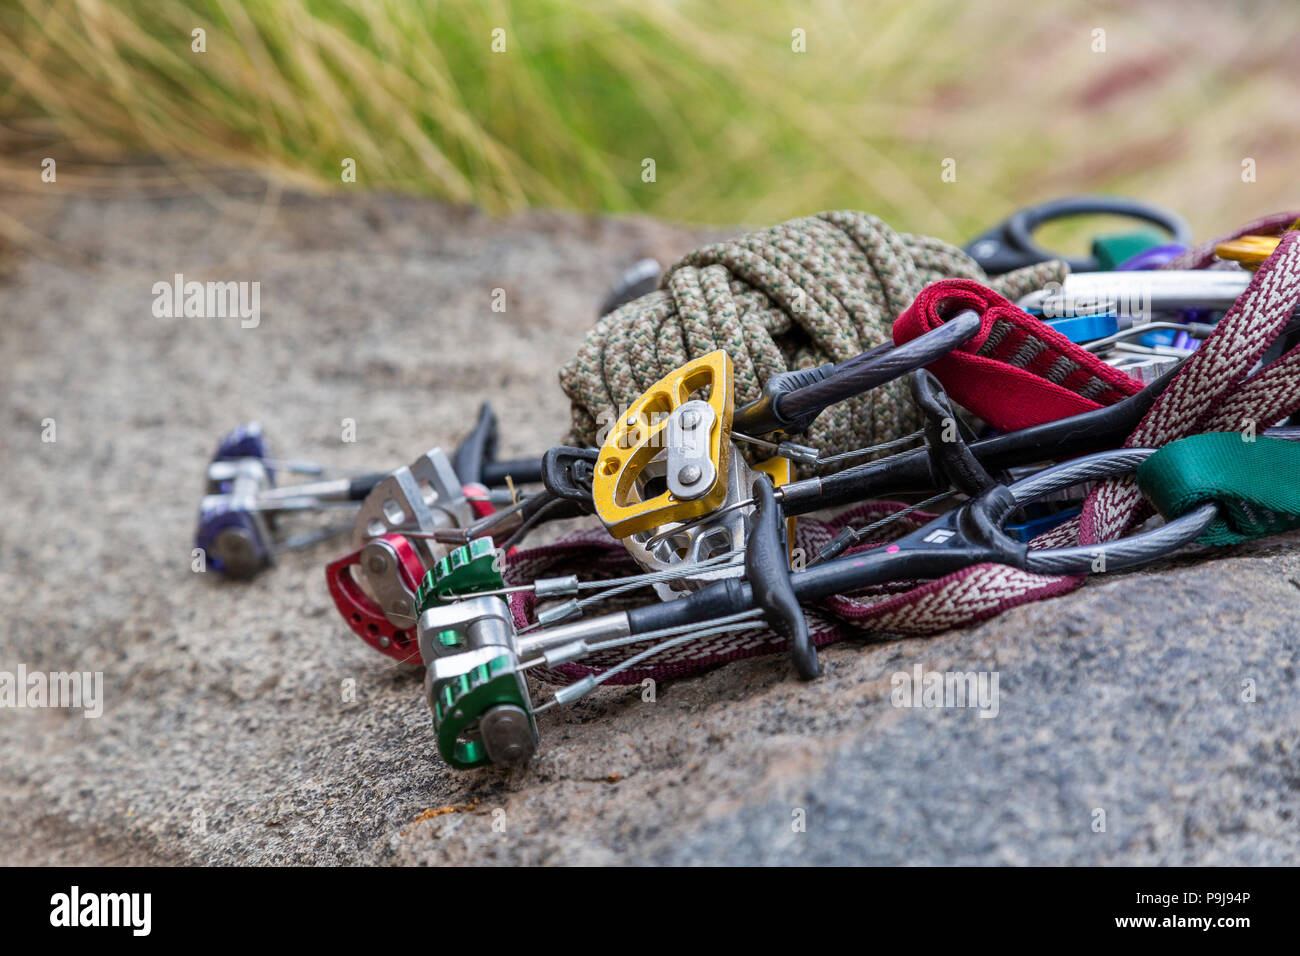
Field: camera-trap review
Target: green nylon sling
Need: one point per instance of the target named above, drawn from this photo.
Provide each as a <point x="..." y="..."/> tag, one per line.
<point x="1255" y="482"/>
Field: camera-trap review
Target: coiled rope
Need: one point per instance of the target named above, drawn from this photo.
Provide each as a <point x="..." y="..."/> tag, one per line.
<point x="819" y="289"/>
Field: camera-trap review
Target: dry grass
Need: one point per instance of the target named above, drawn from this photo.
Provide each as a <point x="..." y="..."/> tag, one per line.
<point x="741" y="128"/>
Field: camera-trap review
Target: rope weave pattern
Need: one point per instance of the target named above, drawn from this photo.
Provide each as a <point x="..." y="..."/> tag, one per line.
<point x="820" y="289"/>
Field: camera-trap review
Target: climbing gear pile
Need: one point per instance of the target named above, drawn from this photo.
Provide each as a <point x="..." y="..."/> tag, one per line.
<point x="820" y="429"/>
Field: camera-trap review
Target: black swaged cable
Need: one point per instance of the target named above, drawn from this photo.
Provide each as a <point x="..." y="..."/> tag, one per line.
<point x="792" y="400"/>
<point x="861" y="374"/>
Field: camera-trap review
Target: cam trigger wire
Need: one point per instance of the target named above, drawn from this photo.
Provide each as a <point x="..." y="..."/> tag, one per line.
<point x="531" y="522"/>
<point x="812" y="456"/>
<point x="873" y="449"/>
<point x="849" y="537"/>
<point x="676" y="636"/>
<point x="617" y="586"/>
<point x="614" y="587"/>
<point x="463" y="536"/>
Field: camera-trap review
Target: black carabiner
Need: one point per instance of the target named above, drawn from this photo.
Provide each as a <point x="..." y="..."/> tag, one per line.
<point x="792" y="400"/>
<point x="950" y="455"/>
<point x="1010" y="244"/>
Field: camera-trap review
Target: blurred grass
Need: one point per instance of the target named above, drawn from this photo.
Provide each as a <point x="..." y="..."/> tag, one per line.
<point x="741" y="128"/>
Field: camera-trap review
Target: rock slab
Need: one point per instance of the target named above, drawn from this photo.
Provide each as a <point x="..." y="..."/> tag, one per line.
<point x="243" y="724"/>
